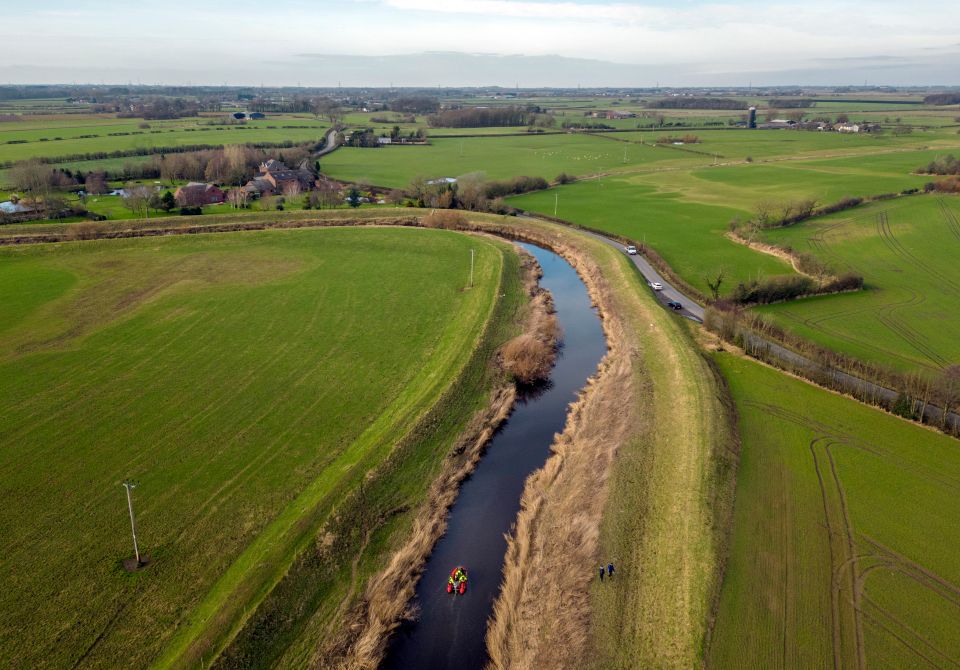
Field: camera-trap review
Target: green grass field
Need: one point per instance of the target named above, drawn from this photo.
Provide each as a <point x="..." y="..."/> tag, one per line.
<point x="689" y="235"/>
<point x="844" y="543"/>
<point x="247" y="382"/>
<point x="60" y="136"/>
<point x="684" y="213"/>
<point x="906" y="250"/>
<point x="499" y="158"/>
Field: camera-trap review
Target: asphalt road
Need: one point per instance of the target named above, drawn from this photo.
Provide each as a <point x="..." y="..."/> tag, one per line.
<point x="691" y="309"/>
<point x="331" y="144"/>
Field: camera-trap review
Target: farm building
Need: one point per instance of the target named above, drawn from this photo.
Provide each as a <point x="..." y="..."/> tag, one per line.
<point x="197" y="194"/>
<point x="275" y="177"/>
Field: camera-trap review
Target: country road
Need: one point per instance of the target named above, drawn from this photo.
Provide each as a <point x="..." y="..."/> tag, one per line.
<point x="331" y="143"/>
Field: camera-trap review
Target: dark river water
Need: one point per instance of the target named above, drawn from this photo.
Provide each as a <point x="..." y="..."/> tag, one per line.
<point x="449" y="632"/>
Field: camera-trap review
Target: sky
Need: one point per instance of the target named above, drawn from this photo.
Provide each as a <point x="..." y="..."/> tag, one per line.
<point x="526" y="43"/>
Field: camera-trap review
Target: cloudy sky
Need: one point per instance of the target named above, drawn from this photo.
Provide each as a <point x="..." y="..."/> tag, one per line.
<point x="482" y="42"/>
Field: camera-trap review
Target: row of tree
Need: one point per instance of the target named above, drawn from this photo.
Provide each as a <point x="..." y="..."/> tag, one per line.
<point x="946" y="165"/>
<point x="486" y="117"/>
<point x="914" y="393"/>
<point x="471" y="192"/>
<point x="682" y="102"/>
<point x="232" y="164"/>
<point x="942" y="99"/>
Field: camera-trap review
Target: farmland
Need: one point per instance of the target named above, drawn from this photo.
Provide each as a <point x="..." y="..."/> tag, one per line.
<point x="246" y="382"/>
<point x="284" y="398"/>
<point x="843" y="551"/>
<point x="497" y="157"/>
<point x="75" y="134"/>
<point x="906" y="251"/>
<point x="684" y="214"/>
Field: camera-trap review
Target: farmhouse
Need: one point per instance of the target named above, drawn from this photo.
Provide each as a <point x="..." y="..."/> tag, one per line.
<point x="275" y="177"/>
<point x="847" y="127"/>
<point x="197" y="194"/>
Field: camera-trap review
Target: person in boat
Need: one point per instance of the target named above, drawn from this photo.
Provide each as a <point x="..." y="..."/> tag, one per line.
<point x="457" y="581"/>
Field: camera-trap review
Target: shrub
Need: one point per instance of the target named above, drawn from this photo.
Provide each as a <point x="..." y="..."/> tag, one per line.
<point x="564" y="178"/>
<point x="444" y="218"/>
<point x="87" y="230"/>
<point x="528" y="359"/>
<point x="190" y="211"/>
<point x="773" y="289"/>
<point x="515" y="186"/>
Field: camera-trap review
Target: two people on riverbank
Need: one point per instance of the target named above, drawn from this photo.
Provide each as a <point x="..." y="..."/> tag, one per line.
<point x="608" y="571"/>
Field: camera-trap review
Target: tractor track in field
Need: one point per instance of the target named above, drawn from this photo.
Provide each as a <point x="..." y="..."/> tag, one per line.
<point x="886" y="314"/>
<point x="931" y="580"/>
<point x="885" y="231"/>
<point x="847" y="636"/>
<point x="950" y="217"/>
<point x="902" y="635"/>
<point x="817" y="323"/>
<point x="101" y="635"/>
<point x="848" y="579"/>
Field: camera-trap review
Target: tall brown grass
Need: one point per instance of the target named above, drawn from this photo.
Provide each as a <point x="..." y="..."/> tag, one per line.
<point x="541" y="617"/>
<point x="530" y="356"/>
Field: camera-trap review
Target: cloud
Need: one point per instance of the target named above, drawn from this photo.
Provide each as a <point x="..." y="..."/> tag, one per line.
<point x="637" y="42"/>
<point x="535" y="10"/>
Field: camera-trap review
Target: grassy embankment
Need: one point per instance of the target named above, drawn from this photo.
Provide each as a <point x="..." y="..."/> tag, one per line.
<point x="642" y="476"/>
<point x="248" y="382"/>
<point x="844" y="546"/>
<point x="905" y="250"/>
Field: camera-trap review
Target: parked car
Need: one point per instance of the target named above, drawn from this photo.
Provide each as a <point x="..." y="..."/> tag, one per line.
<point x="656" y="286"/>
<point x="674" y="305"/>
<point x="632" y="250"/>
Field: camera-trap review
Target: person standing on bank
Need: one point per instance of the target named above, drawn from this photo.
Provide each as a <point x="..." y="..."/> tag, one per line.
<point x="601" y="573"/>
<point x="609" y="570"/>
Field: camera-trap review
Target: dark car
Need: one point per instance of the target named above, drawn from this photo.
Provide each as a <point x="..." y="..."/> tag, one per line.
<point x="674" y="305"/>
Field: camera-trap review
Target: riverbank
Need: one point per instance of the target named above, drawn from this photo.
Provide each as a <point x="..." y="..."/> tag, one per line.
<point x="642" y="476"/>
<point x="362" y="639"/>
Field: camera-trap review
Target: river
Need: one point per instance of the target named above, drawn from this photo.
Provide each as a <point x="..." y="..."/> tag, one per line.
<point x="449" y="632"/>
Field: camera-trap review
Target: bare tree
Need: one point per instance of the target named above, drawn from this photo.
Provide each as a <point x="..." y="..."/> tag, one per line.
<point x="32" y="176"/>
<point x="217" y="168"/>
<point x="292" y="189"/>
<point x="326" y="107"/>
<point x="472" y="191"/>
<point x="96" y="183"/>
<point x="327" y="196"/>
<point x="237" y="198"/>
<point x="715" y="285"/>
<point x="237" y="159"/>
<point x="136" y="198"/>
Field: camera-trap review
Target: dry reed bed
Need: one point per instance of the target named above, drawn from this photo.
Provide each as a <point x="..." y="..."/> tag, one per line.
<point x="541" y="618"/>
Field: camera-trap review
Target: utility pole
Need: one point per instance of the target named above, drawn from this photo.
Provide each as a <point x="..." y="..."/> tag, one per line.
<point x="133" y="524"/>
<point x="624" y="153"/>
<point x="471" y="268"/>
<point x="556" y="202"/>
